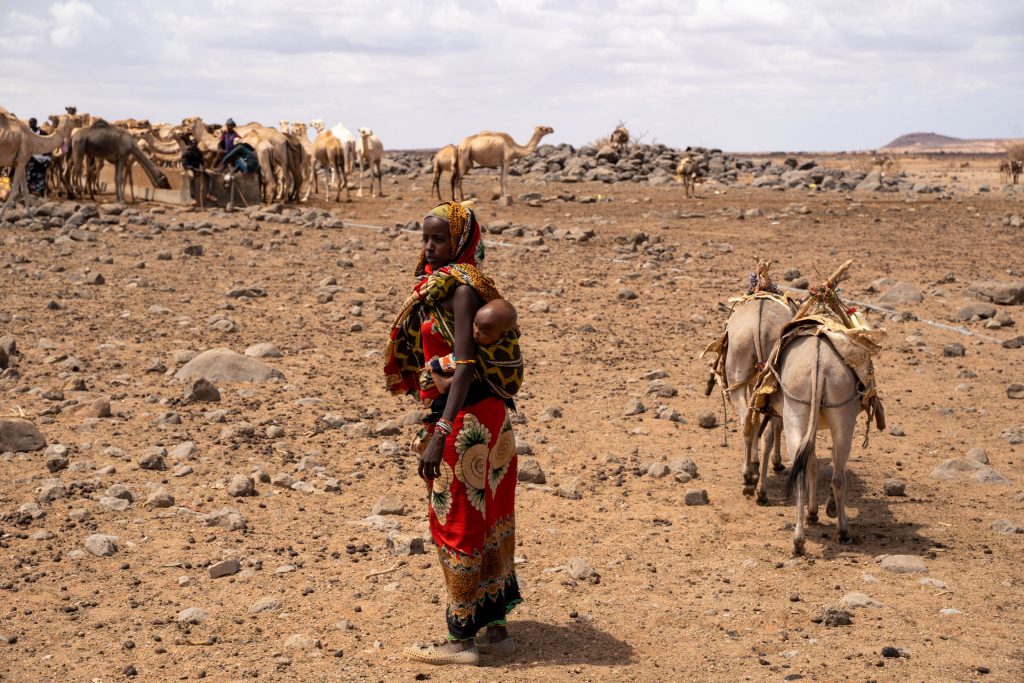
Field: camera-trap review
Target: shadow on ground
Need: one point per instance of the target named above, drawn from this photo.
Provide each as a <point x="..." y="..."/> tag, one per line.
<point x="574" y="643"/>
<point x="873" y="525"/>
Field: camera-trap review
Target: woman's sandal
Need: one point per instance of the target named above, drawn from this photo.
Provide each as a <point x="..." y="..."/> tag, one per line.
<point x="431" y="655"/>
<point x="502" y="648"/>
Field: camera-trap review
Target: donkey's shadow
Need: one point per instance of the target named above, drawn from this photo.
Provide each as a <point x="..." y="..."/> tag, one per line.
<point x="874" y="527"/>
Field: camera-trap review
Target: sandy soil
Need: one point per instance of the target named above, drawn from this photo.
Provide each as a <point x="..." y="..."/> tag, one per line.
<point x="685" y="593"/>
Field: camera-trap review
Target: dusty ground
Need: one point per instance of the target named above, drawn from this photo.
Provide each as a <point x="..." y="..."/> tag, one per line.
<point x="685" y="593"/>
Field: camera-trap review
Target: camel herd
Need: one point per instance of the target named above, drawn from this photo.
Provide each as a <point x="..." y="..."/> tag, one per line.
<point x="290" y="163"/>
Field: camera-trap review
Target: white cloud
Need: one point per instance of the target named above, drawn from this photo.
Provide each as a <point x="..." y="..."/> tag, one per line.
<point x="74" y="20"/>
<point x="741" y="74"/>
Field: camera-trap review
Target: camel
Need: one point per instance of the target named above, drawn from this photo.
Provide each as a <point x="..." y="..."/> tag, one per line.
<point x="115" y="145"/>
<point x="348" y="141"/>
<point x="1016" y="168"/>
<point x="687" y="171"/>
<point x="371" y="153"/>
<point x="446" y="160"/>
<point x="301" y="132"/>
<point x="620" y="137"/>
<point x="491" y="149"/>
<point x="819" y="389"/>
<point x="329" y="152"/>
<point x="18" y="144"/>
<point x="271" y="147"/>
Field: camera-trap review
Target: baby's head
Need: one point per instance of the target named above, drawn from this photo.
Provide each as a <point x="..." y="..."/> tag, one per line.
<point x="493" y="320"/>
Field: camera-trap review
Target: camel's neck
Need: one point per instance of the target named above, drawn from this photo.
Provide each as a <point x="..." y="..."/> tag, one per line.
<point x="154" y="173"/>
<point x="44" y="144"/>
<point x="529" y="147"/>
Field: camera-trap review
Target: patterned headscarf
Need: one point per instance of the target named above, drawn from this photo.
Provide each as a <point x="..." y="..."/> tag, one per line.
<point x="464" y="234"/>
<point x="403" y="355"/>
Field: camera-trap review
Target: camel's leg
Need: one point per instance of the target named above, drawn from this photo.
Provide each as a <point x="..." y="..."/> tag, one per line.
<point x="380" y="181"/>
<point x="118" y="179"/>
<point x="504" y="179"/>
<point x="777" y="445"/>
<point x="436" y="185"/>
<point x="842" y="423"/>
<point x="344" y="182"/>
<point x="361" y="172"/>
<point x="453" y="187"/>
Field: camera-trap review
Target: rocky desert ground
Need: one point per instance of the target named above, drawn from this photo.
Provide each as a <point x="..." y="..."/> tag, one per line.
<point x="155" y="527"/>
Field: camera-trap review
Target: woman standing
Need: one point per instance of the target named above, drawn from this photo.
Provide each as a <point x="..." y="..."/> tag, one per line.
<point x="468" y="455"/>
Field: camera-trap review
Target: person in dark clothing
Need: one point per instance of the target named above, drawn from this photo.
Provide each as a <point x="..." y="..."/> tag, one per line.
<point x="35" y="170"/>
<point x="242" y="158"/>
<point x="194" y="164"/>
<point x="229" y="138"/>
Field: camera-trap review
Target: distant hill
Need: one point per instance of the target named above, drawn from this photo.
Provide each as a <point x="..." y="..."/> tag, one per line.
<point x="933" y="142"/>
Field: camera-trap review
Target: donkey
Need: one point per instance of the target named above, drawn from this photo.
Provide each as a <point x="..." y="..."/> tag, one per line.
<point x="816" y="384"/>
<point x="753" y="329"/>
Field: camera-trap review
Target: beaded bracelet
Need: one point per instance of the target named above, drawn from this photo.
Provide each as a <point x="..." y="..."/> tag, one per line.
<point x="471" y="361"/>
<point x="444" y="427"/>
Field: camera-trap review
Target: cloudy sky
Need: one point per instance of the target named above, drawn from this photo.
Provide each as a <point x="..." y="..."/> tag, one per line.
<point x="745" y="75"/>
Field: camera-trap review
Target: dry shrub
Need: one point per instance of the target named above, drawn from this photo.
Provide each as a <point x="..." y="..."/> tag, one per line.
<point x="1015" y="152"/>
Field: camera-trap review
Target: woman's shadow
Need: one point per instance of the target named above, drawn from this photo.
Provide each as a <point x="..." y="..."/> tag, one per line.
<point x="575" y="643"/>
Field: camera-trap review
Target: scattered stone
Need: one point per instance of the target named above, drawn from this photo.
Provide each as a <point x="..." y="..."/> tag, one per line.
<point x="696" y="497"/>
<point x="50" y="491"/>
<point x="968" y="468"/>
<point x="101" y="545"/>
<point x="224" y="365"/>
<point x="160" y="498"/>
<point x="263" y="350"/>
<point x="954" y="350"/>
<point x="684" y="465"/>
<point x="890" y="652"/>
<point x="530" y="471"/>
<point x="978" y="454"/>
<point x="224" y="568"/>
<point x="904" y="564"/>
<point x="389" y="505"/>
<point x="225" y="518"/>
<point x="902" y="294"/>
<point x="191" y="615"/>
<point x="282" y="480"/>
<point x="1006" y="293"/>
<point x="267" y="604"/>
<point x="975" y="311"/>
<point x="241" y="485"/>
<point x="55" y="462"/>
<point x="835" y="616"/>
<point x="153" y="459"/>
<point x="302" y="643"/>
<point x="402" y="545"/>
<point x="20" y="436"/>
<point x="894" y="487"/>
<point x="1015" y="391"/>
<point x="1005" y="526"/>
<point x="183" y="451"/>
<point x="634" y="407"/>
<point x="658" y="470"/>
<point x="707" y="420"/>
<point x="858" y="601"/>
<point x="580" y="570"/>
<point x="96" y="408"/>
<point x="115" y="504"/>
<point x="202" y="390"/>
